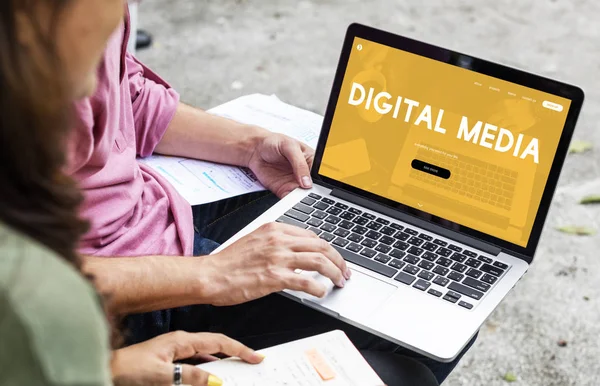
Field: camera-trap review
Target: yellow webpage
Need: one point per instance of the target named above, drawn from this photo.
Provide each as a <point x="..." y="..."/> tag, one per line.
<point x="466" y="147"/>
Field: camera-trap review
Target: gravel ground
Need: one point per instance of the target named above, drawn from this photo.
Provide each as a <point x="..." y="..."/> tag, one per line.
<point x="213" y="51"/>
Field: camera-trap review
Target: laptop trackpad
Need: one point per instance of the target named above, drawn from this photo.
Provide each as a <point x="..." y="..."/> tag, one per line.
<point x="362" y="294"/>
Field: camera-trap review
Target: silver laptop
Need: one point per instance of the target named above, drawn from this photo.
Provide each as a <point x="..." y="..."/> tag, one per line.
<point x="433" y="177"/>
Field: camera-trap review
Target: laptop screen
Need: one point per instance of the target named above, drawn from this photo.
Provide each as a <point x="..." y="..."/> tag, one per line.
<point x="466" y="147"/>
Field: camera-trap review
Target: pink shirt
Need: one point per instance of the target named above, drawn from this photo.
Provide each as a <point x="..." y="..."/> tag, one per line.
<point x="133" y="211"/>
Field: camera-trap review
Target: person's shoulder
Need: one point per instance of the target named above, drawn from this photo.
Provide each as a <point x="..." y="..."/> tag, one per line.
<point x="55" y="313"/>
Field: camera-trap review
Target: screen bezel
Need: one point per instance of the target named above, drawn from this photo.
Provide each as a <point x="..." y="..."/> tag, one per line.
<point x="575" y="94"/>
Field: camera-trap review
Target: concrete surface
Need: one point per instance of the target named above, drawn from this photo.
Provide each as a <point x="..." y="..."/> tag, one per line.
<point x="213" y="51"/>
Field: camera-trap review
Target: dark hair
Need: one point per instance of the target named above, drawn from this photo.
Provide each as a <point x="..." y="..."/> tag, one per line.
<point x="36" y="197"/>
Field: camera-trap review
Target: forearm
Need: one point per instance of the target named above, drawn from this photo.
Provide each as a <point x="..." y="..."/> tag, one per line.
<point x="142" y="284"/>
<point x="194" y="133"/>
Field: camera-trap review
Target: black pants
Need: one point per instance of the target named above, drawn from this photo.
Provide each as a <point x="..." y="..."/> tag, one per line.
<point x="274" y="319"/>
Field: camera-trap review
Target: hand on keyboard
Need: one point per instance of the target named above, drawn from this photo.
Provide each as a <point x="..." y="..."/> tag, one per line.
<point x="265" y="261"/>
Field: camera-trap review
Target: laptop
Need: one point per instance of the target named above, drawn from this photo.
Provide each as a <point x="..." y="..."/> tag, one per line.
<point x="433" y="177"/>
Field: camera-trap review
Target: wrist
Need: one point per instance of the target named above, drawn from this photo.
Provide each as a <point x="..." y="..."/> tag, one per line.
<point x="255" y="135"/>
<point x="206" y="288"/>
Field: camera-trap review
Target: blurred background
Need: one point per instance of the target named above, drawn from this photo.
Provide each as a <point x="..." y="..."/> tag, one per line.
<point x="547" y="332"/>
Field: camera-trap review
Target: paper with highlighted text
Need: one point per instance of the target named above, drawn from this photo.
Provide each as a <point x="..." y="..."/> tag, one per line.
<point x="201" y="182"/>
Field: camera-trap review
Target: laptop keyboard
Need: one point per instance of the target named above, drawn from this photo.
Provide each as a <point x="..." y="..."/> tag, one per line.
<point x="481" y="181"/>
<point x="440" y="268"/>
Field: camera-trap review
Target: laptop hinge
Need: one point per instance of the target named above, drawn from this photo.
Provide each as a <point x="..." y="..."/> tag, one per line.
<point x="464" y="239"/>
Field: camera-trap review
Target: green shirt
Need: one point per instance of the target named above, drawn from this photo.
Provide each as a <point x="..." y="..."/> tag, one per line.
<point x="52" y="329"/>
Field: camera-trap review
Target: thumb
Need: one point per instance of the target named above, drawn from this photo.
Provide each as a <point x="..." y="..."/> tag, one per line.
<point x="194" y="376"/>
<point x="293" y="153"/>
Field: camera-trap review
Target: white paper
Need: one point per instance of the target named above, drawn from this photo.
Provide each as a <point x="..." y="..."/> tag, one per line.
<point x="201" y="182"/>
<point x="288" y="365"/>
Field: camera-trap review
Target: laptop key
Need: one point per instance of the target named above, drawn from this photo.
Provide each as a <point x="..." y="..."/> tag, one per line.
<point x="466" y="305"/>
<point x="405" y="278"/>
<point x="328" y="227"/>
<point x="346" y="224"/>
<point x="374" y="225"/>
<point x="373" y="235"/>
<point x="304" y="209"/>
<point x="429" y="256"/>
<point x="441" y="270"/>
<point x="396" y="263"/>
<point x="297" y="215"/>
<point x="341" y="242"/>
<point x="334" y="211"/>
<point x="445" y="262"/>
<point x="315" y="196"/>
<point x="455" y="248"/>
<point x="401" y="245"/>
<point x="398" y="254"/>
<point x="456" y="276"/>
<point x="411" y="269"/>
<point x="366" y="263"/>
<point x="444" y="252"/>
<point x="360" y="221"/>
<point x="320" y="215"/>
<point x="383" y="248"/>
<point x="415" y="251"/>
<point x="388" y="231"/>
<point x="369" y="243"/>
<point x="327" y="236"/>
<point x="500" y="265"/>
<point x="453" y="294"/>
<point x="341" y="232"/>
<point x="321" y="205"/>
<point x="360" y="230"/>
<point x="485" y="259"/>
<point x="411" y="231"/>
<point x="434" y="292"/>
<point x="411" y="259"/>
<point x="458" y="257"/>
<point x="354" y="211"/>
<point x="369" y="216"/>
<point x="315" y="222"/>
<point x="491" y="270"/>
<point x="289" y="221"/>
<point x="429" y="246"/>
<point x="368" y="252"/>
<point x="387" y="240"/>
<point x="354" y="247"/>
<point x="355" y="237"/>
<point x="490" y="279"/>
<point x="396" y="226"/>
<point x="382" y="221"/>
<point x="459" y="267"/>
<point x="450" y="299"/>
<point x="328" y="201"/>
<point x="472" y="272"/>
<point x="316" y="231"/>
<point x="308" y="201"/>
<point x="469" y="253"/>
<point x="478" y="285"/>
<point x="471" y="262"/>
<point x="426" y="275"/>
<point x="347" y="216"/>
<point x="416" y="241"/>
<point x="467" y="291"/>
<point x="422" y="285"/>
<point x="384" y="259"/>
<point x="425" y="237"/>
<point x="426" y="265"/>
<point x="441" y="281"/>
<point x="341" y="206"/>
<point x="401" y="236"/>
<point x="440" y="242"/>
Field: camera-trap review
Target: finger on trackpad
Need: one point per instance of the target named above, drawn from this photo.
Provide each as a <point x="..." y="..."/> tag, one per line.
<point x="361" y="294"/>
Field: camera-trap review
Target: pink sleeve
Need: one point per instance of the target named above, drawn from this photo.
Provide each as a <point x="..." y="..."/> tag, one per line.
<point x="154" y="105"/>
